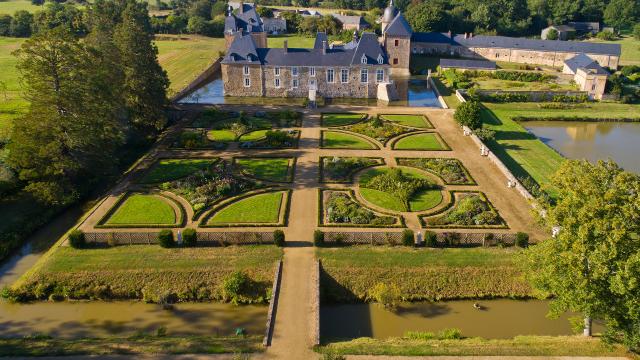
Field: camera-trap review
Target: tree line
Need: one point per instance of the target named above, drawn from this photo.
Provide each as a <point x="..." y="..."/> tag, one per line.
<point x="91" y="97"/>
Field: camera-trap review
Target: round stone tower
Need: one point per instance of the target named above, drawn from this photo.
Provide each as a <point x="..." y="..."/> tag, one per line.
<point x="388" y="16"/>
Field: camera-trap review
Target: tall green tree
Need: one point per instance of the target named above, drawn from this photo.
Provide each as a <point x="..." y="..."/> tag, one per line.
<point x="69" y="134"/>
<point x="622" y="14"/>
<point x="146" y="83"/>
<point x="592" y="266"/>
<point x="427" y="16"/>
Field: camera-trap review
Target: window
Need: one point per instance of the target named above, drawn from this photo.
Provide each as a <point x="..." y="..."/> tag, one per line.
<point x="246" y="70"/>
<point x="312" y="71"/>
<point x="395" y="61"/>
<point x="344" y="76"/>
<point x="363" y="60"/>
<point x="380" y="59"/>
<point x="277" y="82"/>
<point x="593" y="87"/>
<point x="294" y="71"/>
<point x="330" y="76"/>
<point x="247" y="82"/>
<point x="380" y="75"/>
<point x="294" y="83"/>
<point x="276" y="71"/>
<point x="396" y="42"/>
<point x="364" y="76"/>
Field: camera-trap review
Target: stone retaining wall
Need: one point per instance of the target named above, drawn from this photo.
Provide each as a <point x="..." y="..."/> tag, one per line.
<point x="206" y="74"/>
<point x="435" y="90"/>
<point x="315" y="304"/>
<point x="275" y="291"/>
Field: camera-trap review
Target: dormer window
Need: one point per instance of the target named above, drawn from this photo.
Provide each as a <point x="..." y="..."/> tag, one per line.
<point x="363" y="60"/>
<point x="380" y="59"/>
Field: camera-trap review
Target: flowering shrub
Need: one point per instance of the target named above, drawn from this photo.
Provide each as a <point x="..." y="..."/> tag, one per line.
<point x="342" y="210"/>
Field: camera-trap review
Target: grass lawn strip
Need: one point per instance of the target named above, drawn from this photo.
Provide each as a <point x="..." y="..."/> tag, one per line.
<point x="422" y="141"/>
<point x="225" y="136"/>
<point x="270" y="169"/>
<point x="262" y="208"/>
<point x="383" y="200"/>
<point x="415" y="121"/>
<point x="425" y="200"/>
<point x="146" y="272"/>
<point x="343" y="140"/>
<point x="173" y="169"/>
<point x="143" y="209"/>
<point x="253" y="135"/>
<point x="518" y="346"/>
<point x="341" y="119"/>
<point x="423" y="274"/>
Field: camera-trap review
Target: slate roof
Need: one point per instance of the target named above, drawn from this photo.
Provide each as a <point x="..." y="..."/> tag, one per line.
<point x="468" y="64"/>
<point x="350" y="20"/>
<point x="246" y="20"/>
<point x="338" y="56"/>
<point x="320" y="37"/>
<point x="584" y="26"/>
<point x="582" y="61"/>
<point x="520" y="43"/>
<point x="564" y="28"/>
<point x="399" y="27"/>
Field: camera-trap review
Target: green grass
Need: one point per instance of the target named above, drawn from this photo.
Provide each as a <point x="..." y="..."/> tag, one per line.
<point x="224" y="136"/>
<point x="382" y="199"/>
<point x="143" y="209"/>
<point x="185" y="57"/>
<point x="258" y="209"/>
<point x="416" y="121"/>
<point x="424" y="141"/>
<point x="11" y="6"/>
<point x="340" y="140"/>
<point x="630" y="49"/>
<point x="518" y="346"/>
<point x="271" y="169"/>
<point x="253" y="135"/>
<point x="12" y="105"/>
<point x="340" y="119"/>
<point x="425" y="200"/>
<point x="422" y="200"/>
<point x="507" y="85"/>
<point x="172" y="169"/>
<point x="421" y="274"/>
<point x="447" y="94"/>
<point x="293" y="41"/>
<point x="143" y="271"/>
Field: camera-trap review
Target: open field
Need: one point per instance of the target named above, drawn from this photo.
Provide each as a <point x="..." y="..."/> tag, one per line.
<point x="518" y="346"/>
<point x="184" y="57"/>
<point x="12" y="105"/>
<point x="424" y="274"/>
<point x="148" y="271"/>
<point x="293" y="41"/>
<point x="630" y="49"/>
<point x="11" y="6"/>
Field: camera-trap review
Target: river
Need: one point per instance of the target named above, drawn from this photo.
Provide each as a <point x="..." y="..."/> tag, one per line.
<point x="592" y="140"/>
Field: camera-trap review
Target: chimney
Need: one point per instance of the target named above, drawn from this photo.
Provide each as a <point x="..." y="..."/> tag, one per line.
<point x="241" y="8"/>
<point x="470" y="35"/>
<point x="286" y="46"/>
<point x="324" y="47"/>
<point x="449" y="34"/>
<point x="466" y="36"/>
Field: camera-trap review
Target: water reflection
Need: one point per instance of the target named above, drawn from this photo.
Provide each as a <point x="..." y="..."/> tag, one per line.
<point x="592" y="140"/>
<point x="415" y="92"/>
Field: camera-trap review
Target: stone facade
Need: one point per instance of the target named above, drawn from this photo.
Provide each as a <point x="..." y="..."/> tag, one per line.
<point x="399" y="53"/>
<point x="236" y="77"/>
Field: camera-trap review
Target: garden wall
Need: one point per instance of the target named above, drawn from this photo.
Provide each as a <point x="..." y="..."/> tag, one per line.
<point x="275" y="292"/>
<point x="204" y="238"/>
<point x="453" y="239"/>
<point x="315" y="304"/>
<point x="206" y="74"/>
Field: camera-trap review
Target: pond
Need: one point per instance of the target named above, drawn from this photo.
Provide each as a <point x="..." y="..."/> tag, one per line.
<point x="498" y="319"/>
<point x="415" y="92"/>
<point x="79" y="319"/>
<point x="592" y="140"/>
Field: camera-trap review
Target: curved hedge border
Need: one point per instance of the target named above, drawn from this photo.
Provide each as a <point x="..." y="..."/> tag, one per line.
<point x="294" y="145"/>
<point x="283" y="222"/>
<point x="423" y="222"/>
<point x="406" y="130"/>
<point x="424" y="117"/>
<point x="464" y="168"/>
<point x="143" y="172"/>
<point x="399" y="224"/>
<point x="400" y="137"/>
<point x="322" y="115"/>
<point x="102" y="223"/>
<point x="351" y="174"/>
<point x="290" y="172"/>
<point x="338" y="130"/>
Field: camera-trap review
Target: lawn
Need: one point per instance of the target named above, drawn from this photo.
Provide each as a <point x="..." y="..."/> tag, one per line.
<point x="416" y="121"/>
<point x="507" y="85"/>
<point x="184" y="57"/>
<point x="224" y="136"/>
<point x="340" y="140"/>
<point x="256" y="209"/>
<point x="11" y="6"/>
<point x="253" y="135"/>
<point x="421" y="274"/>
<point x="293" y="41"/>
<point x="630" y="49"/>
<point x="271" y="169"/>
<point x="340" y="119"/>
<point x="425" y="200"/>
<point x="143" y="209"/>
<point x="424" y="141"/>
<point x="172" y="169"/>
<point x="147" y="271"/>
<point x="421" y="200"/>
<point x="11" y="105"/>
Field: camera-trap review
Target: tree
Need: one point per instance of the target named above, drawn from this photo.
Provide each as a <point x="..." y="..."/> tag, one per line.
<point x="146" y="83"/>
<point x="592" y="266"/>
<point x="177" y="23"/>
<point x="218" y="8"/>
<point x="197" y="25"/>
<point x="56" y="15"/>
<point x="553" y="34"/>
<point x="636" y="31"/>
<point x="265" y="12"/>
<point x="37" y="2"/>
<point x="622" y="14"/>
<point x="201" y="8"/>
<point x="21" y="24"/>
<point x="5" y="25"/>
<point x="69" y="135"/>
<point x="468" y="114"/>
<point x="427" y="16"/>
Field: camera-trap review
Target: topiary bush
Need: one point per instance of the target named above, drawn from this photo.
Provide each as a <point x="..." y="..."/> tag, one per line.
<point x="165" y="238"/>
<point x="77" y="239"/>
<point x="189" y="237"/>
<point x="318" y="238"/>
<point x="234" y="287"/>
<point x="468" y="114"/>
<point x="407" y="238"/>
<point x="522" y="239"/>
<point x="430" y="239"/>
<point x="278" y="237"/>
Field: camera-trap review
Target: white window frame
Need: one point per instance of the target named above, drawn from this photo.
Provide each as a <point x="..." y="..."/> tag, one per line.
<point x="342" y="78"/>
<point x="312" y="71"/>
<point x="380" y="59"/>
<point x="246" y="70"/>
<point x="276" y="71"/>
<point x="363" y="60"/>
<point x="379" y="78"/>
<point x="295" y="71"/>
<point x="247" y="82"/>
<point x="276" y="83"/>
<point x="364" y="74"/>
<point x="333" y="76"/>
<point x="294" y="83"/>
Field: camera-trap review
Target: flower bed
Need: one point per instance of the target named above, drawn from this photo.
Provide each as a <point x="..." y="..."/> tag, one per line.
<point x="339" y="208"/>
<point x="399" y="190"/>
<point x="470" y="210"/>
<point x="378" y="129"/>
<point x="341" y="169"/>
<point x="273" y="139"/>
<point x="451" y="171"/>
